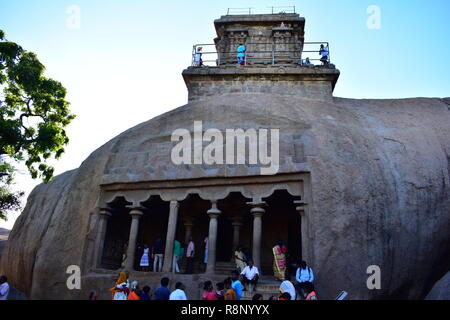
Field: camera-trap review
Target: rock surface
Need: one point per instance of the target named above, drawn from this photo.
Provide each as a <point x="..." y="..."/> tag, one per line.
<point x="380" y="188"/>
<point x="441" y="290"/>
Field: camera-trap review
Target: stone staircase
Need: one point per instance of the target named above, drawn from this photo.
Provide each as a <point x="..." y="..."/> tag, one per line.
<point x="266" y="288"/>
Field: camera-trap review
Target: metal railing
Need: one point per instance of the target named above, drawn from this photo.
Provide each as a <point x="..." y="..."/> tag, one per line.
<point x="276" y="55"/>
<point x="273" y="10"/>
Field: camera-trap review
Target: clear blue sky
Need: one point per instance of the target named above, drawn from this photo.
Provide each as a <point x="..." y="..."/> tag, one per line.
<point x="123" y="65"/>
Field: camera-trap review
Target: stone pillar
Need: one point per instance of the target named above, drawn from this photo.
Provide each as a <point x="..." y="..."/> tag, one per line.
<point x="171" y="230"/>
<point x="136" y="214"/>
<point x="257" y="211"/>
<point x="212" y="237"/>
<point x="300" y="207"/>
<point x="188" y="225"/>
<point x="104" y="215"/>
<point x="237" y="224"/>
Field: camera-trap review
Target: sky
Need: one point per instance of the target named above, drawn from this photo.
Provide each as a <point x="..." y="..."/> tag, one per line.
<point x="121" y="61"/>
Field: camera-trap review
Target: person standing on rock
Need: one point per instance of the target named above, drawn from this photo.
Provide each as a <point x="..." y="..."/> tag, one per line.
<point x="241" y="54"/>
<point x="4" y="288"/>
<point x="158" y="254"/>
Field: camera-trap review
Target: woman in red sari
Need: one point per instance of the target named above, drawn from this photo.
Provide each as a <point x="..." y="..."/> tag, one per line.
<point x="279" y="260"/>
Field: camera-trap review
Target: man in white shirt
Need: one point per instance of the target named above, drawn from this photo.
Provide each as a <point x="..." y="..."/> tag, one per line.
<point x="250" y="275"/>
<point x="178" y="293"/>
<point x="4" y="288"/>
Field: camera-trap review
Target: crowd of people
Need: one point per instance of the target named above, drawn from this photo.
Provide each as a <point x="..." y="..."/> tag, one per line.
<point x="244" y="278"/>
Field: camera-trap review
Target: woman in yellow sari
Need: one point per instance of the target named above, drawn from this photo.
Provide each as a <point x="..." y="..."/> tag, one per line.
<point x="239" y="259"/>
<point x="279" y="261"/>
<point x="120" y="290"/>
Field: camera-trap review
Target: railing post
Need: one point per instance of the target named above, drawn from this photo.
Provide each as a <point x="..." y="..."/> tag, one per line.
<point x="273" y="54"/>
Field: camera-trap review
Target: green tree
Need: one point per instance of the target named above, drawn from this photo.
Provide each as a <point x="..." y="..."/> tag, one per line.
<point x="33" y="116"/>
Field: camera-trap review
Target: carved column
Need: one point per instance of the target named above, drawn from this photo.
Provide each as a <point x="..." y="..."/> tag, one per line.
<point x="300" y="207"/>
<point x="188" y="225"/>
<point x="171" y="229"/>
<point x="257" y="211"/>
<point x="104" y="215"/>
<point x="213" y="213"/>
<point x="136" y="214"/>
<point x="237" y="224"/>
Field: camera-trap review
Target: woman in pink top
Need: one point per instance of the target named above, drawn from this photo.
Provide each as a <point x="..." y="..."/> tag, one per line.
<point x="208" y="293"/>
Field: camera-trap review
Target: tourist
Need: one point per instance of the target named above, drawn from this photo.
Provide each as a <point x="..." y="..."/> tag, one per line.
<point x="288" y="286"/>
<point x="324" y="53"/>
<point x="303" y="276"/>
<point x="257" y="297"/>
<point x="121" y="289"/>
<point x="220" y="294"/>
<point x="310" y="292"/>
<point x="146" y="293"/>
<point x="198" y="62"/>
<point x="144" y="264"/>
<point x="208" y="291"/>
<point x="4" y="288"/>
<point x="230" y="293"/>
<point x="307" y="62"/>
<point x="285" y="296"/>
<point x="239" y="258"/>
<point x="190" y="252"/>
<point x="178" y="293"/>
<point x="241" y="54"/>
<point x="205" y="258"/>
<point x="93" y="295"/>
<point x="135" y="292"/>
<point x="162" y="292"/>
<point x="158" y="255"/>
<point x="272" y="298"/>
<point x="176" y="256"/>
<point x="250" y="276"/>
<point x="236" y="285"/>
<point x="279" y="260"/>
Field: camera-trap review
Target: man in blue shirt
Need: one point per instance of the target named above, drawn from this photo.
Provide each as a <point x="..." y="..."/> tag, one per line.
<point x="162" y="292"/>
<point x="304" y="276"/>
<point x="236" y="285"/>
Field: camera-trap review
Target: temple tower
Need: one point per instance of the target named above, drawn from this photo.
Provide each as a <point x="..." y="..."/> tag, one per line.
<point x="274" y="59"/>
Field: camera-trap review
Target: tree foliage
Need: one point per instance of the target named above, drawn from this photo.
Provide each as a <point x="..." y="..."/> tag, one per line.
<point x="33" y="115"/>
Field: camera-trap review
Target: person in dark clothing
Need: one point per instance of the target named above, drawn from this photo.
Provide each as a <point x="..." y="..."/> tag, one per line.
<point x="158" y="255"/>
<point x="162" y="292"/>
<point x="145" y="293"/>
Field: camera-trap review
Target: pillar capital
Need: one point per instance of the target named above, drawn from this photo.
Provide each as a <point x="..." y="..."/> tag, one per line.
<point x="300" y="206"/>
<point x="105" y="212"/>
<point x="237" y="221"/>
<point x="136" y="212"/>
<point x="174" y="204"/>
<point x="214" y="212"/>
<point x="257" y="208"/>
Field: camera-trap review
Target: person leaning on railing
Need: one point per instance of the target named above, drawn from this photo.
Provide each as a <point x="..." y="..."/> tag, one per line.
<point x="198" y="62"/>
<point x="324" y="53"/>
<point x="241" y="54"/>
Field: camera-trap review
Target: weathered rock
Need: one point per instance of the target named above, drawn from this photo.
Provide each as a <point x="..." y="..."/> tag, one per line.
<point x="441" y="290"/>
<point x="380" y="188"/>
